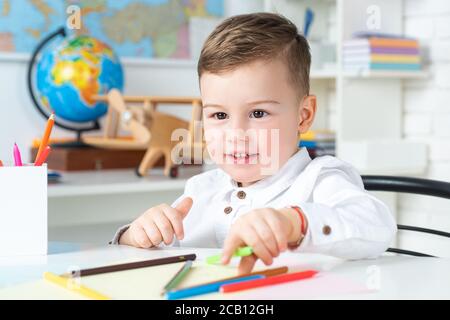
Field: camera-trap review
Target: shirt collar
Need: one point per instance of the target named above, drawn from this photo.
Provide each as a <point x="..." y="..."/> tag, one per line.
<point x="269" y="187"/>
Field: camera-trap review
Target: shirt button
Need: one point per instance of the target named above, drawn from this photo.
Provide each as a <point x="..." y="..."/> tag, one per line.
<point x="241" y="195"/>
<point x="326" y="230"/>
<point x="227" y="210"/>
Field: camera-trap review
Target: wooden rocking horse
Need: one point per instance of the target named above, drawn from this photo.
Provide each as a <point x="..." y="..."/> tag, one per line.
<point x="151" y="130"/>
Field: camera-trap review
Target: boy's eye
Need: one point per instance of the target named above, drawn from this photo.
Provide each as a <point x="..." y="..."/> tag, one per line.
<point x="258" y="114"/>
<point x="220" y="115"/>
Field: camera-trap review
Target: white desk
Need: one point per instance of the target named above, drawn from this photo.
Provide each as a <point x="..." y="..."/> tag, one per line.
<point x="398" y="277"/>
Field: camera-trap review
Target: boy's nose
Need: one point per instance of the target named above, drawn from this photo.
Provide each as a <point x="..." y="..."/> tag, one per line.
<point x="238" y="124"/>
<point x="236" y="137"/>
<point x="237" y="132"/>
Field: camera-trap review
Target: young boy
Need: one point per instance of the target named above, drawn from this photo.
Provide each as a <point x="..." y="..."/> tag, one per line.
<point x="266" y="193"/>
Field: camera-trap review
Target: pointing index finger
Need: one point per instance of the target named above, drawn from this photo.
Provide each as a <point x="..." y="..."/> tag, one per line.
<point x="231" y="244"/>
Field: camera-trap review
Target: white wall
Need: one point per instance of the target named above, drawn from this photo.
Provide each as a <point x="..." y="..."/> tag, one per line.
<point x="427" y="118"/>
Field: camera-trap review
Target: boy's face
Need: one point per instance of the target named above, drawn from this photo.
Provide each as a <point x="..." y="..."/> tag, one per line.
<point x="252" y="117"/>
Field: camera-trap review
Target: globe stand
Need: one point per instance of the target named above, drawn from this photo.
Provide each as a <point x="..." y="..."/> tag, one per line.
<point x="77" y="144"/>
<point x="94" y="125"/>
<point x="76" y="155"/>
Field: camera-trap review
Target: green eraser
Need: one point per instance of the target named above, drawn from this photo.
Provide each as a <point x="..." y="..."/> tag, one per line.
<point x="213" y="259"/>
<point x="240" y="252"/>
<point x="243" y="252"/>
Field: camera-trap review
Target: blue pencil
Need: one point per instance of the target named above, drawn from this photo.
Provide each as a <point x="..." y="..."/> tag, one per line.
<point x="309" y="18"/>
<point x="206" y="288"/>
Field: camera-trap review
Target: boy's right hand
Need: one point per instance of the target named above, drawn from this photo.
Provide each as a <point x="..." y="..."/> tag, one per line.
<point x="156" y="225"/>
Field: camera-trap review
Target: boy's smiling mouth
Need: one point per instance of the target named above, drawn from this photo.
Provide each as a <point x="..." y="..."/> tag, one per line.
<point x="241" y="157"/>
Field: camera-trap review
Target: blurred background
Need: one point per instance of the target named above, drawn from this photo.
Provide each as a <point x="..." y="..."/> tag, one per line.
<point x="380" y="70"/>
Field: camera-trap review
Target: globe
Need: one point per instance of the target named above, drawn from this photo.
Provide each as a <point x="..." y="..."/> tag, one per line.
<point x="69" y="75"/>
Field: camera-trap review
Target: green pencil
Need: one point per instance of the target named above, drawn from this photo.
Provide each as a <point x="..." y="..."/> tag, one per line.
<point x="177" y="277"/>
<point x="240" y="252"/>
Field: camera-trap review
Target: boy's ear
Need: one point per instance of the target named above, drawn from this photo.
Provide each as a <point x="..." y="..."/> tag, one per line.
<point x="307" y="113"/>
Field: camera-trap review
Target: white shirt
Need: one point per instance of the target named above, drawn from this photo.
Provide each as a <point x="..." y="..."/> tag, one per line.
<point x="344" y="220"/>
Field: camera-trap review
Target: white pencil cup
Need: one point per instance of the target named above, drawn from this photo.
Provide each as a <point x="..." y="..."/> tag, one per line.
<point x="23" y="211"/>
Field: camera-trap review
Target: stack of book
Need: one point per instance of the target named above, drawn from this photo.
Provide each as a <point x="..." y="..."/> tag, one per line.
<point x="319" y="142"/>
<point x="381" y="52"/>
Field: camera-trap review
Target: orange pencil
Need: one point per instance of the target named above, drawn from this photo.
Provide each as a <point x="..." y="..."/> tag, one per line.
<point x="43" y="156"/>
<point x="46" y="137"/>
<point x="1" y="163"/>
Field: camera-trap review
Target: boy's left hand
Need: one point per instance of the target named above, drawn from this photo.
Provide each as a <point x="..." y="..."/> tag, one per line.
<point x="267" y="231"/>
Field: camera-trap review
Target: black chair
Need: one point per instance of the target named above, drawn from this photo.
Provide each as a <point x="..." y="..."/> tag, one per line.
<point x="409" y="185"/>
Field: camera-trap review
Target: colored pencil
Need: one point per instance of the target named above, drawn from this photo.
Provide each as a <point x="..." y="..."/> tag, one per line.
<point x="207" y="288"/>
<point x="46" y="137"/>
<point x="70" y="285"/>
<point x="176" y="279"/>
<point x="267" y="273"/>
<point x="1" y="163"/>
<point x="267" y="281"/>
<point x="17" y="156"/>
<point x="43" y="157"/>
<point x="131" y="265"/>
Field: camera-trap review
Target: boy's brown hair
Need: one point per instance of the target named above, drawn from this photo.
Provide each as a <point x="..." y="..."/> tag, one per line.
<point x="246" y="38"/>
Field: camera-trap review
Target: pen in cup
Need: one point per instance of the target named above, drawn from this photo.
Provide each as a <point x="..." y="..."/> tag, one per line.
<point x="17" y="157"/>
<point x="46" y="137"/>
<point x="43" y="156"/>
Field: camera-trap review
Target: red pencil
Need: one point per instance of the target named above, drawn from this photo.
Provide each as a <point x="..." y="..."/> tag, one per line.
<point x="43" y="156"/>
<point x="232" y="287"/>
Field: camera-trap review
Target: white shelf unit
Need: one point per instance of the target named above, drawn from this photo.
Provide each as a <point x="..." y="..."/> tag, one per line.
<point x="404" y="75"/>
<point x="363" y="107"/>
<point x="90" y="183"/>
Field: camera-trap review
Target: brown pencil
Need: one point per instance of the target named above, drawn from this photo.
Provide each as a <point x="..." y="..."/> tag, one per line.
<point x="130" y="265"/>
